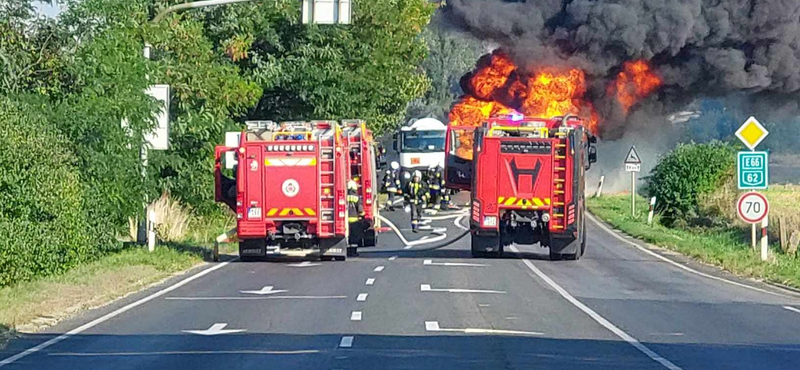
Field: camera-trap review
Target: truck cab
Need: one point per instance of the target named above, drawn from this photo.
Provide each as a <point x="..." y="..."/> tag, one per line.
<point x="420" y="145"/>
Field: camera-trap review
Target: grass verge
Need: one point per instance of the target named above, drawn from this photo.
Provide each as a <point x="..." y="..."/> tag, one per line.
<point x="30" y="306"/>
<point x="727" y="247"/>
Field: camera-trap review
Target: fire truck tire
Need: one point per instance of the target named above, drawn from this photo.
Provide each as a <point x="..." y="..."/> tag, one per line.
<point x="480" y="244"/>
<point x="370" y="238"/>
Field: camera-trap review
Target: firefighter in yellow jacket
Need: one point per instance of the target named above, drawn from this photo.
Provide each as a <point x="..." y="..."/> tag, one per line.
<point x="355" y="211"/>
<point x="416" y="195"/>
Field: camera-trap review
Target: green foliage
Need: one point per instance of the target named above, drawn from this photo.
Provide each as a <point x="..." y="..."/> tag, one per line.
<point x="451" y="55"/>
<point x="365" y="70"/>
<point x="41" y="198"/>
<point x="687" y="172"/>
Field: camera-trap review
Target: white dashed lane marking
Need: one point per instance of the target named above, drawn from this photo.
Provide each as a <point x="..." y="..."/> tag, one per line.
<point x="362" y="297"/>
<point x="379" y="268"/>
<point x="346" y="342"/>
<point x="355" y="316"/>
<point x="370" y="281"/>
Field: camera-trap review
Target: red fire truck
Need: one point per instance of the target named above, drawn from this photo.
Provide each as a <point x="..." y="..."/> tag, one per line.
<point x="526" y="177"/>
<point x="289" y="189"/>
<point x="364" y="172"/>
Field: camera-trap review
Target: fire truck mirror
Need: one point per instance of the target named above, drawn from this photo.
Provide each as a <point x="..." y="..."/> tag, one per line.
<point x="592" y="154"/>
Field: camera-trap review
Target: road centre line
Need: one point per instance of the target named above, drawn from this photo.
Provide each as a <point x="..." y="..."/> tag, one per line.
<point x="255" y="298"/>
<point x="434" y="327"/>
<point x="370" y="281"/>
<point x="362" y="297"/>
<point x="346" y="342"/>
<point x="683" y="267"/>
<point x="790" y="308"/>
<point x="453" y="264"/>
<point x="596" y="317"/>
<point x="183" y="353"/>
<point x="427" y="288"/>
<point x="379" y="268"/>
<point x="111" y="315"/>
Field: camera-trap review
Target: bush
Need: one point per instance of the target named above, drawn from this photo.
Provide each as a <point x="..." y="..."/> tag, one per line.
<point x="42" y="216"/>
<point x="686" y="173"/>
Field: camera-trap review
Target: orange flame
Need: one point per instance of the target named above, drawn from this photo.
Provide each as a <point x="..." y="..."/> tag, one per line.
<point x="635" y="82"/>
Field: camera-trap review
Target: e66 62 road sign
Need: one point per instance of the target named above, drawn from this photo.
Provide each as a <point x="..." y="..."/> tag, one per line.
<point x="753" y="207"/>
<point x="753" y="170"/>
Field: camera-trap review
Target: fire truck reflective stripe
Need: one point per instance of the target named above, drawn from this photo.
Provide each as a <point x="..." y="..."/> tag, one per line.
<point x="297" y="212"/>
<point x="272" y="212"/>
<point x="500" y="199"/>
<point x="547" y="201"/>
<point x="510" y="201"/>
<point x="285" y="211"/>
<point x="283" y="162"/>
<point x="310" y="212"/>
<point x="538" y="202"/>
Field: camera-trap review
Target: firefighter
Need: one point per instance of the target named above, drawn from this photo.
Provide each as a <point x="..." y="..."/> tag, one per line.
<point x="355" y="211"/>
<point x="416" y="197"/>
<point x="391" y="185"/>
<point x="435" y="185"/>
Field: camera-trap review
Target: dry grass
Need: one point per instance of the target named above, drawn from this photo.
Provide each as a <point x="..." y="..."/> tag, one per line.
<point x="30" y="306"/>
<point x="172" y="220"/>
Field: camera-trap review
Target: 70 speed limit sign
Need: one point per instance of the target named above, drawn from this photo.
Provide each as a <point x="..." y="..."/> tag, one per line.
<point x="753" y="207"/>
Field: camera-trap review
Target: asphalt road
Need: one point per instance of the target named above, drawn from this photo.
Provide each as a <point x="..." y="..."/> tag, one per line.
<point x="619" y="307"/>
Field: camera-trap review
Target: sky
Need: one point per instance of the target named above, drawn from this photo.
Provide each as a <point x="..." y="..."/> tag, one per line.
<point x="46" y="9"/>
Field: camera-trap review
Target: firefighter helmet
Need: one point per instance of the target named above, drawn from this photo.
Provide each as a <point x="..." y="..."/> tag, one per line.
<point x="417" y="174"/>
<point x="351" y="185"/>
<point x="388" y="172"/>
<point x="395" y="165"/>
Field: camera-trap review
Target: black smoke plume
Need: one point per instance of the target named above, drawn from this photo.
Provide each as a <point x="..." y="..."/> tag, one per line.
<point x="700" y="48"/>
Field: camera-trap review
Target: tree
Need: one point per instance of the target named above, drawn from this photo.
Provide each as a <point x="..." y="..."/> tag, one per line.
<point x="365" y="70"/>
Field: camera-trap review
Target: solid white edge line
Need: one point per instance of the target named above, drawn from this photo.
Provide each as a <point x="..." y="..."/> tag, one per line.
<point x="111" y="315"/>
<point x="346" y="342"/>
<point x="355" y="316"/>
<point x="362" y="297"/>
<point x="790" y="308"/>
<point x="596" y="317"/>
<point x="683" y="267"/>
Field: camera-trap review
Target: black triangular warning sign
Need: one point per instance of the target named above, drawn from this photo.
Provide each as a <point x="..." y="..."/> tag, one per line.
<point x="633" y="157"/>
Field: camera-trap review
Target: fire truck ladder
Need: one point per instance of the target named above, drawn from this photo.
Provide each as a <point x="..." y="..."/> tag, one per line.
<point x="354" y="146"/>
<point x="327" y="168"/>
<point x="559" y="220"/>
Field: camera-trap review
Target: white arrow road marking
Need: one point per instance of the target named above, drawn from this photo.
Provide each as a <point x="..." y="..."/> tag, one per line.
<point x="790" y="308"/>
<point x="347" y="342"/>
<point x="425" y="227"/>
<point x="304" y="264"/>
<point x="216" y="329"/>
<point x="431" y="263"/>
<point x="355" y="316"/>
<point x="439" y="230"/>
<point x="362" y="297"/>
<point x="427" y="288"/>
<point x="264" y="291"/>
<point x="379" y="268"/>
<point x="445" y="217"/>
<point x="370" y="281"/>
<point x="434" y="326"/>
<point x="255" y="298"/>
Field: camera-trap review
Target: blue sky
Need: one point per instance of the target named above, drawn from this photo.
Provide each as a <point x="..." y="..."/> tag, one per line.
<point x="48" y="10"/>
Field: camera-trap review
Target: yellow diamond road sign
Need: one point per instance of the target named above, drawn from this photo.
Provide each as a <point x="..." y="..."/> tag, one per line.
<point x="751" y="133"/>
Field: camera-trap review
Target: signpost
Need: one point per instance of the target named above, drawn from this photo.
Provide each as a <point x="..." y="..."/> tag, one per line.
<point x="633" y="164"/>
<point x="752" y="169"/>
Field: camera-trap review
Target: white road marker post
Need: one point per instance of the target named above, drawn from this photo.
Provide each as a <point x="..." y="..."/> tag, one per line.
<point x="652" y="210"/>
<point x="764" y="241"/>
<point x="151" y="229"/>
<point x="753" y="236"/>
<point x="600" y="187"/>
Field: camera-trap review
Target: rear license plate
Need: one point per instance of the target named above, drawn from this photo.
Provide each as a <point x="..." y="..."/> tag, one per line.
<point x="254" y="212"/>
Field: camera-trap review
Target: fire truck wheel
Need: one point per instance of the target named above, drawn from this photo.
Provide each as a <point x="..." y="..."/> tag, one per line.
<point x="480" y="244"/>
<point x="370" y="238"/>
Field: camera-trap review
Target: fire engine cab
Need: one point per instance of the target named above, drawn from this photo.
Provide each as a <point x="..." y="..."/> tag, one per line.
<point x="288" y="189"/>
<point x="526" y="177"/>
